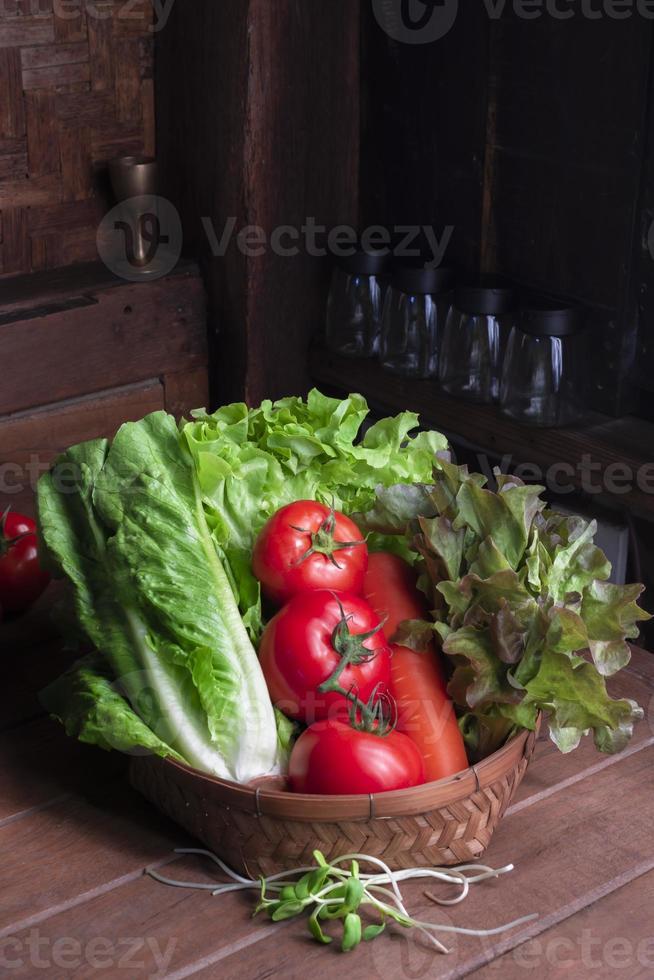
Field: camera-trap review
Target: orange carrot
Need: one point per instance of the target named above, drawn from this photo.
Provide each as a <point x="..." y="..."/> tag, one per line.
<point x="425" y="711"/>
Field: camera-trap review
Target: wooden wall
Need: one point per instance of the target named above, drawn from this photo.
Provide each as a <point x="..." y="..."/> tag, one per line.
<point x="423" y="130"/>
<point x="565" y="154"/>
<point x="76" y="89"/>
<point x="137" y="349"/>
<point x="261" y="126"/>
<point x="643" y="264"/>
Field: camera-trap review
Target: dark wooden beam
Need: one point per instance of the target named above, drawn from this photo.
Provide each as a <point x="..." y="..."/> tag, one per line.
<point x="424" y="130"/>
<point x="567" y="123"/>
<point x="643" y="257"/>
<point x="259" y="121"/>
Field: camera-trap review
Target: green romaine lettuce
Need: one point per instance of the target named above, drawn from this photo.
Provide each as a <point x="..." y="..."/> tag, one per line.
<point x="125" y="524"/>
<point x="155" y="533"/>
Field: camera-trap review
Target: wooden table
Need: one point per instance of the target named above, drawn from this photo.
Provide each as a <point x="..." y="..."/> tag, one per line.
<point x="74" y="841"/>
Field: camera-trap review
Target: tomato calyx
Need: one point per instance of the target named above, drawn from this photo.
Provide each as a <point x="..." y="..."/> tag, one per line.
<point x="378" y="716"/>
<point x="371" y="716"/>
<point x="351" y="646"/>
<point x="323" y="542"/>
<point x="351" y="649"/>
<point x="6" y="544"/>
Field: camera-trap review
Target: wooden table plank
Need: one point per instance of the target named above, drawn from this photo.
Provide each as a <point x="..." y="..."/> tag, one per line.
<point x="20" y="695"/>
<point x="613" y="937"/>
<point x="169" y="928"/>
<point x="63" y="855"/>
<point x="39" y="764"/>
<point x="570" y="851"/>
<point x="33" y="655"/>
<point x="73" y="869"/>
<point x="27" y="672"/>
<point x="556" y="869"/>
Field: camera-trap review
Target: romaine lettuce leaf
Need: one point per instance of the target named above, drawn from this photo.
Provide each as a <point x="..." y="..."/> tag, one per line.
<point x="152" y="596"/>
<point x="89" y="703"/>
<point x="155" y="533"/>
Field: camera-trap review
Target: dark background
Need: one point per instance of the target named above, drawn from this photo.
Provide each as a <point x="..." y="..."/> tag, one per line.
<point x="530" y="137"/>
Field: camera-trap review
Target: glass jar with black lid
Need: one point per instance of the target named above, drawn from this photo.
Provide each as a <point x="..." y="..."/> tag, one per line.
<point x="545" y="373"/>
<point x="414" y="316"/>
<point x="356" y="302"/>
<point x="474" y="341"/>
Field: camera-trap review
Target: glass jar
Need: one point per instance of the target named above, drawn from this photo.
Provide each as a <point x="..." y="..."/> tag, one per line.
<point x="474" y="340"/>
<point x="356" y="303"/>
<point x="414" y="314"/>
<point x="545" y="374"/>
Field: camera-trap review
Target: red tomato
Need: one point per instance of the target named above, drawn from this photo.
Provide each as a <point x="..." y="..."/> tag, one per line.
<point x="332" y="757"/>
<point x="304" y="644"/>
<point x="306" y="546"/>
<point x="424" y="710"/>
<point x="22" y="580"/>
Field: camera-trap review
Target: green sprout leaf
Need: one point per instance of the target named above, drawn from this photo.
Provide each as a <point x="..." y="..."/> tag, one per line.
<point x="354" y="892"/>
<point x="351" y="932"/>
<point x="315" y="928"/>
<point x="344" y="893"/>
<point x="287" y="910"/>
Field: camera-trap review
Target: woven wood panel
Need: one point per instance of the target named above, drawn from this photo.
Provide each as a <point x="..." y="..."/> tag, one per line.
<point x="76" y="89"/>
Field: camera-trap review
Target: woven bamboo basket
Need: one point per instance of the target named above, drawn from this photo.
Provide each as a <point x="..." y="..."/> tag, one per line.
<point x="262" y="831"/>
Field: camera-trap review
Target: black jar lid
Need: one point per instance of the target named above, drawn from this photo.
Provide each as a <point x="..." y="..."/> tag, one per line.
<point x="483" y="300"/>
<point x="545" y="319"/>
<point x="364" y="263"/>
<point x="423" y="281"/>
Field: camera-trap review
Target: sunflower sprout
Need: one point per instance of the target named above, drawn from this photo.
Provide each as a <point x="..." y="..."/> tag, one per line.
<point x="332" y="892"/>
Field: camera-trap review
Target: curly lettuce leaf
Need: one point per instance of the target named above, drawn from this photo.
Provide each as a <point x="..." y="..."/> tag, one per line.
<point x="611" y="614"/>
<point x="250" y="462"/>
<point x="519" y="599"/>
<point x="575" y="695"/>
<point x="484" y="731"/>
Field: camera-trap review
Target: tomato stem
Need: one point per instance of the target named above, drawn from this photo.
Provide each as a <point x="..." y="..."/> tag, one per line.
<point x="361" y="715"/>
<point x="322" y="540"/>
<point x="352" y="652"/>
<point x="349" y="646"/>
<point x="6" y="544"/>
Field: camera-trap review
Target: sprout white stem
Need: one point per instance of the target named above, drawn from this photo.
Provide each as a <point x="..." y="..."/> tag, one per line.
<point x="374" y="884"/>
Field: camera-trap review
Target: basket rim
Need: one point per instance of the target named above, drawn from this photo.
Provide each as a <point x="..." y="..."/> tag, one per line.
<point x="406" y="802"/>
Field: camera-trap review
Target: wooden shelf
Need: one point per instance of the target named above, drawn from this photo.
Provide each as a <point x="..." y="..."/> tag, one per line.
<point x="37" y="294"/>
<point x="594" y="455"/>
<point x="83" y="352"/>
